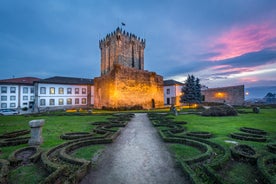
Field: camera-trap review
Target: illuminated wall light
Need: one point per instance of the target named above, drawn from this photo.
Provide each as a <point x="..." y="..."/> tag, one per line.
<point x="220" y="95"/>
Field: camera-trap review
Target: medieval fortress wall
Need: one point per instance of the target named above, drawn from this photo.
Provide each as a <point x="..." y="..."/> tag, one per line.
<point x="123" y="81"/>
<point x="233" y="95"/>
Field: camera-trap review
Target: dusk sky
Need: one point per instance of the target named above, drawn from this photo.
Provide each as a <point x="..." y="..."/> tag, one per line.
<point x="222" y="42"/>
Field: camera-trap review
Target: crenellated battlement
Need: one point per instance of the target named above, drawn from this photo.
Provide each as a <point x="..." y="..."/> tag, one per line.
<point x="117" y="34"/>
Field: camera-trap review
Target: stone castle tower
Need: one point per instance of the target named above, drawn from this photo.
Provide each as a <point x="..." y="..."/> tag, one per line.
<point x="123" y="82"/>
<point x="122" y="48"/>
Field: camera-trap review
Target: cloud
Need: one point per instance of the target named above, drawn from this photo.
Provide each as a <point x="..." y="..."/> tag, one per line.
<point x="244" y="39"/>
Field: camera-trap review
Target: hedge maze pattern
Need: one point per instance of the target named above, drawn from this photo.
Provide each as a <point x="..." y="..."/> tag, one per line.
<point x="205" y="167"/>
<point x="58" y="161"/>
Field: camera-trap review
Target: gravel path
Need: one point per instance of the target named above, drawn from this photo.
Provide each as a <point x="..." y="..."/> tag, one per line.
<point x="138" y="156"/>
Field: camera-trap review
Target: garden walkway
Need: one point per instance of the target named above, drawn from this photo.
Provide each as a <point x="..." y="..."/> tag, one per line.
<point x="138" y="156"/>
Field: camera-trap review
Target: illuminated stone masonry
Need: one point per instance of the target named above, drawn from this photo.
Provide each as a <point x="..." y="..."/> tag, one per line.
<point x="128" y="87"/>
<point x="123" y="82"/>
<point x="233" y="95"/>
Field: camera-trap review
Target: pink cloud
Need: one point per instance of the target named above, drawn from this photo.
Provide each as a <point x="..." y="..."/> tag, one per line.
<point x="241" y="40"/>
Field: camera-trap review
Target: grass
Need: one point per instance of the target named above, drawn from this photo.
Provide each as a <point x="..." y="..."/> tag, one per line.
<point x="184" y="151"/>
<point x="222" y="127"/>
<point x="88" y="152"/>
<point x="27" y="174"/>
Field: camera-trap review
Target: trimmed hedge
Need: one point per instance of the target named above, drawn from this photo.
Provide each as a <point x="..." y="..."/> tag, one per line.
<point x="14" y="141"/>
<point x="253" y="131"/>
<point x="248" y="137"/>
<point x="272" y="147"/>
<point x="200" y="134"/>
<point x="15" y="134"/>
<point x="269" y="176"/>
<point x="4" y="170"/>
<point x="222" y="110"/>
<point x="34" y="157"/>
<point x="244" y="153"/>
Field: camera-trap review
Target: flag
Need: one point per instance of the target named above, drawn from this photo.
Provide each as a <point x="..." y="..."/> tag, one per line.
<point x="123" y="24"/>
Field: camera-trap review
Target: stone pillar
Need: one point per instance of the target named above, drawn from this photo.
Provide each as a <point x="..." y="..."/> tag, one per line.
<point x="36" y="132"/>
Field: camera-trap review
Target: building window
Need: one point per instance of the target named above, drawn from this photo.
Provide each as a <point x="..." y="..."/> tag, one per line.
<point x="42" y="102"/>
<point x="52" y="90"/>
<point x="60" y="91"/>
<point x="3" y="89"/>
<point x="12" y="89"/>
<point x="77" y="90"/>
<point x="69" y="90"/>
<point x="168" y="91"/>
<point x="3" y="105"/>
<point x="42" y="90"/>
<point x="69" y="101"/>
<point x="77" y="101"/>
<point x="83" y="101"/>
<point x="12" y="104"/>
<point x="25" y="97"/>
<point x="60" y="101"/>
<point x="32" y="98"/>
<point x="52" y="102"/>
<point x="32" y="90"/>
<point x="25" y="90"/>
<point x="12" y="98"/>
<point x="83" y="90"/>
<point x="4" y="98"/>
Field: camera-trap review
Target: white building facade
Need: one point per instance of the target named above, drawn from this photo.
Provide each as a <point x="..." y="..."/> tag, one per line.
<point x="17" y="93"/>
<point x="172" y="92"/>
<point x="64" y="93"/>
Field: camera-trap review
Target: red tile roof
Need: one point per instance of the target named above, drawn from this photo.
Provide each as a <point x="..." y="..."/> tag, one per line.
<point x="22" y="80"/>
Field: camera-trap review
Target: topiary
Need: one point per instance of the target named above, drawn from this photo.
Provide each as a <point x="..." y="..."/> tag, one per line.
<point x="222" y="110"/>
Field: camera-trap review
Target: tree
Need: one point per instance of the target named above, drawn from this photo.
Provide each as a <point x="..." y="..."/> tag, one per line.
<point x="191" y="91"/>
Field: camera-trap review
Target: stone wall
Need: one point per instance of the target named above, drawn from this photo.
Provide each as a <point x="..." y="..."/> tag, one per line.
<point x="120" y="47"/>
<point x="128" y="87"/>
<point x="233" y="95"/>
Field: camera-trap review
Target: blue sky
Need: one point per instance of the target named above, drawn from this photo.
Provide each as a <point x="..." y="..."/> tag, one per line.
<point x="221" y="42"/>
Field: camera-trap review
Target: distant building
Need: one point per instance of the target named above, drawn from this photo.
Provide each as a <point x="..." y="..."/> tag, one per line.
<point x="64" y="92"/>
<point x="233" y="95"/>
<point x="172" y="92"/>
<point x="17" y="92"/>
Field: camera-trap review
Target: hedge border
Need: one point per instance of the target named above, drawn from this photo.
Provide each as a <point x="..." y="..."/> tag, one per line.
<point x="253" y="130"/>
<point x="261" y="165"/>
<point x="15" y="134"/>
<point x="4" y="170"/>
<point x="239" y="156"/>
<point x="14" y="161"/>
<point x="248" y="137"/>
<point x="272" y="147"/>
<point x="205" y="135"/>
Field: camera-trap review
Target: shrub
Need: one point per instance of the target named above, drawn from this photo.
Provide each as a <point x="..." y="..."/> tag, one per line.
<point x="256" y="110"/>
<point x="222" y="110"/>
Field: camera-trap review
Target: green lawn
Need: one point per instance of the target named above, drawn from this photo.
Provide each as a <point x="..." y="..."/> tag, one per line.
<point x="54" y="127"/>
<point x="221" y="128"/>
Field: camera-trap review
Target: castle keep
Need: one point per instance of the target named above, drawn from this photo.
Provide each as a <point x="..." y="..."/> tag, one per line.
<point x="123" y="81"/>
